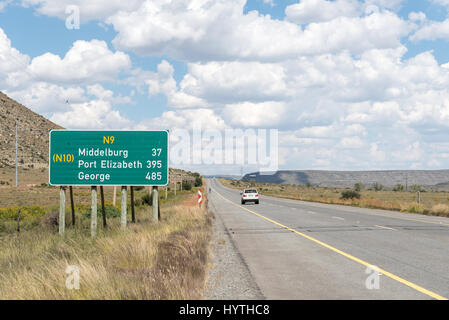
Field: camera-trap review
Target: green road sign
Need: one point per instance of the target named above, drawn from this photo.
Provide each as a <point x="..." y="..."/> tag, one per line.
<point x="95" y="158"/>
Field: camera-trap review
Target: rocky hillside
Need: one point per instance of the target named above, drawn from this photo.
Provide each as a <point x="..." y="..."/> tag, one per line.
<point x="343" y="179"/>
<point x="32" y="134"/>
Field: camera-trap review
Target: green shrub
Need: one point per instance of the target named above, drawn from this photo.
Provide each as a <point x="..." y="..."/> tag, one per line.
<point x="415" y="208"/>
<point x="187" y="185"/>
<point x="147" y="200"/>
<point x="378" y="187"/>
<point x="198" y="181"/>
<point x="11" y="213"/>
<point x="111" y="212"/>
<point x="350" y="194"/>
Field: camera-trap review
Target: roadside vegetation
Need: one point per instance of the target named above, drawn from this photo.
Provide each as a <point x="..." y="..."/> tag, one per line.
<point x="374" y="197"/>
<point x="168" y="259"/>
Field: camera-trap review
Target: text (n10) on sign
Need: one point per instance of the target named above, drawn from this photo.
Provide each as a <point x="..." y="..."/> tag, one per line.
<point x="96" y="158"/>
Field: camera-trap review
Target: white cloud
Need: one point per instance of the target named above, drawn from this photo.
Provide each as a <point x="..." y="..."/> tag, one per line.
<point x="86" y="62"/>
<point x="349" y="113"/>
<point x="48" y="84"/>
<point x="228" y="82"/>
<point x="247" y="114"/>
<point x="189" y="31"/>
<point x="307" y="11"/>
<point x="351" y="143"/>
<point x="417" y="16"/>
<point x="95" y="114"/>
<point x="441" y="2"/>
<point x="376" y="154"/>
<point x="385" y="4"/>
<point x="89" y="10"/>
<point x="316" y="132"/>
<point x="163" y="82"/>
<point x="46" y="98"/>
<point x="432" y="30"/>
<point x="185" y="119"/>
<point x="11" y="60"/>
<point x="101" y="93"/>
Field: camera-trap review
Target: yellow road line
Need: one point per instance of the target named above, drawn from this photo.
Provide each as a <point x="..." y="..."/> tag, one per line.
<point x="347" y="255"/>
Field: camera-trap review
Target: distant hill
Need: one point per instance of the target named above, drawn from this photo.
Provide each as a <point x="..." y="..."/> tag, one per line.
<point x="33" y="135"/>
<point x="344" y="179"/>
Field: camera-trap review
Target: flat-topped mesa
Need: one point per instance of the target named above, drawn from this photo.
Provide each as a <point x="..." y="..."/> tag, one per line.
<point x="347" y="179"/>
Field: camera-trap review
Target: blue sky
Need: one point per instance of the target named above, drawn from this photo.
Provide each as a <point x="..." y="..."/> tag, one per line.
<point x="213" y="60"/>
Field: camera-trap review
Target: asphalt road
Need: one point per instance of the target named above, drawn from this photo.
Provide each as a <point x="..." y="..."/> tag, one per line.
<point x="302" y="250"/>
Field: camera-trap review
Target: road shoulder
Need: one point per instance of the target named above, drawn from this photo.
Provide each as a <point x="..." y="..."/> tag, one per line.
<point x="229" y="277"/>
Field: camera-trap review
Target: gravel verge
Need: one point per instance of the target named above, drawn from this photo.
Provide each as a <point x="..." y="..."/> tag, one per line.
<point x="229" y="277"/>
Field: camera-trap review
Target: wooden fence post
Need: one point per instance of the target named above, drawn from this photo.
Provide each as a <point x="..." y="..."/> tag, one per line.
<point x="93" y="213"/>
<point x="124" y="207"/>
<point x="61" y="221"/>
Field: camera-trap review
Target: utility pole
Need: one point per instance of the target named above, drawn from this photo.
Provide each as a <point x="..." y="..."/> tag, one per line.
<point x="17" y="163"/>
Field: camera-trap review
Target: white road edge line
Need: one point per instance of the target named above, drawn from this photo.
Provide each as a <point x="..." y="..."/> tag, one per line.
<point x="338" y="218"/>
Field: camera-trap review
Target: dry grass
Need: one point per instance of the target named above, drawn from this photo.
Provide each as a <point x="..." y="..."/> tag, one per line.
<point x="165" y="260"/>
<point x="441" y="209"/>
<point x="432" y="203"/>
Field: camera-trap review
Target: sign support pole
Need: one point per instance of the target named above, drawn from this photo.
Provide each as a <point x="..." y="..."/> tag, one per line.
<point x="155" y="204"/>
<point x="124" y="205"/>
<point x="93" y="213"/>
<point x="103" y="211"/>
<point x="133" y="214"/>
<point x="72" y="204"/>
<point x="61" y="210"/>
